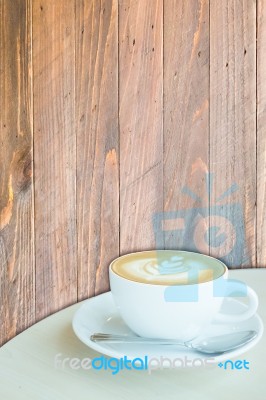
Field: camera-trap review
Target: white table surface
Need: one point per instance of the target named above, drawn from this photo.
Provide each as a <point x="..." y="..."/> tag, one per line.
<point x="27" y="369"/>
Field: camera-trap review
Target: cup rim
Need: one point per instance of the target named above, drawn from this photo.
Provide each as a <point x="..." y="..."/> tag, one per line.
<point x="167" y="285"/>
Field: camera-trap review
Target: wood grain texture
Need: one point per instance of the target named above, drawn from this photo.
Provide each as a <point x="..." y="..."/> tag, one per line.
<point x="17" y="284"/>
<point x="54" y="155"/>
<point x="261" y="134"/>
<point x="233" y="122"/>
<point x="97" y="143"/>
<point x="186" y="117"/>
<point x="114" y="114"/>
<point x="141" y="121"/>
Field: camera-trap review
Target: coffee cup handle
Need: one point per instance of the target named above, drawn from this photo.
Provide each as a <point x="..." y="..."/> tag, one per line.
<point x="251" y="310"/>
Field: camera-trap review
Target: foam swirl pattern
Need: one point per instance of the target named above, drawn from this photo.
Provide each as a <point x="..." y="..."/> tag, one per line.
<point x="168" y="267"/>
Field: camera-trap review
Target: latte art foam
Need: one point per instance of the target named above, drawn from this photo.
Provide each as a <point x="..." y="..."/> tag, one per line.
<point x="168" y="267"/>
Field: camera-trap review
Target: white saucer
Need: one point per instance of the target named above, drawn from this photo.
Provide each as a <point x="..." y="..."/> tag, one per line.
<point x="99" y="314"/>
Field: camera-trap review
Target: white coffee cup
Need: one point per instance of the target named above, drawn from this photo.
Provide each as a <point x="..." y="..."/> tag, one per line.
<point x="178" y="308"/>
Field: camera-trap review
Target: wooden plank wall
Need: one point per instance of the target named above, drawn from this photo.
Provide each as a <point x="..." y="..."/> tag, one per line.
<point x="186" y="115"/>
<point x="97" y="137"/>
<point x="123" y="121"/>
<point x="17" y="264"/>
<point x="233" y="119"/>
<point x="53" y="39"/>
<point x="141" y="121"/>
<point x="261" y="134"/>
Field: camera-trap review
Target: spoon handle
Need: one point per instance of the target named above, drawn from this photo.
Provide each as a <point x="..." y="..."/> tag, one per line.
<point x="206" y="345"/>
<point x="111" y="338"/>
